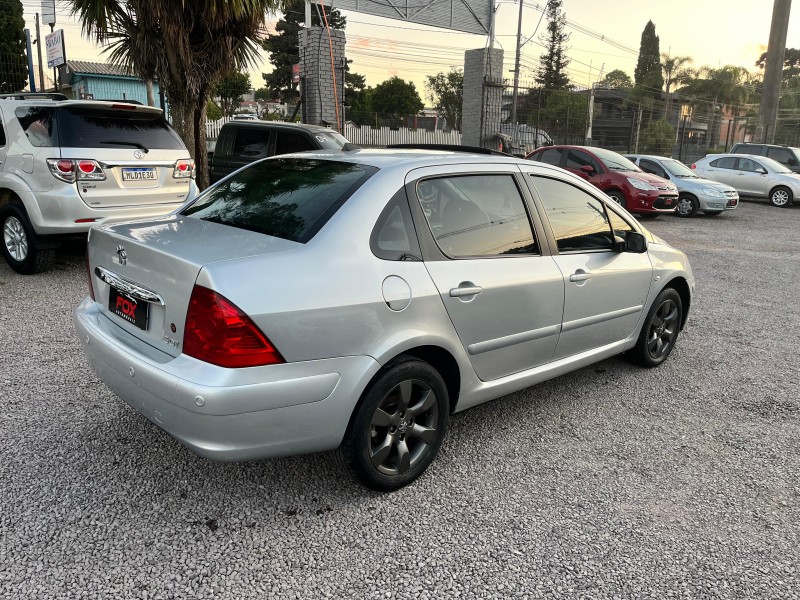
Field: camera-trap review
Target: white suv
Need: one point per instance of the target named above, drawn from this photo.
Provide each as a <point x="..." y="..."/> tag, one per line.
<point x="66" y="165"/>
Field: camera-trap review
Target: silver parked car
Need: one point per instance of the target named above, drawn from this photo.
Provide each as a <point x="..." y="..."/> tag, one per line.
<point x="695" y="194"/>
<point x="752" y="176"/>
<point x="358" y="298"/>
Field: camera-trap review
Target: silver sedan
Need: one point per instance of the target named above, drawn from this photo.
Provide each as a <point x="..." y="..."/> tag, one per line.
<point x="355" y="300"/>
<point x="752" y="176"/>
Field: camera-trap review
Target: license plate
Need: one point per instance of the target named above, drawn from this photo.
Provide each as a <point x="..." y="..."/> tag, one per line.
<point x="131" y="310"/>
<point x="668" y="201"/>
<point x="138" y="174"/>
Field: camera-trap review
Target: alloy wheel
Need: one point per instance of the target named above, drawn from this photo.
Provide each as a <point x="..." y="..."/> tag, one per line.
<point x="685" y="207"/>
<point x="15" y="239"/>
<point x="780" y="197"/>
<point x="663" y="329"/>
<point x="403" y="427"/>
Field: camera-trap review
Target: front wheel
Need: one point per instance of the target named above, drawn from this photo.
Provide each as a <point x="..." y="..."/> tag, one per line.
<point x="687" y="206"/>
<point x="398" y="426"/>
<point x="617" y="197"/>
<point x="19" y="248"/>
<point x="781" y="197"/>
<point x="660" y="330"/>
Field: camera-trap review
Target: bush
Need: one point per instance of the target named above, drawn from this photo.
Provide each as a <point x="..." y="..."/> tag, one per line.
<point x="657" y="138"/>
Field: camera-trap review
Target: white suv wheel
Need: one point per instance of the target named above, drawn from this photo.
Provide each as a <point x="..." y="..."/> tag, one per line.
<point x="15" y="239"/>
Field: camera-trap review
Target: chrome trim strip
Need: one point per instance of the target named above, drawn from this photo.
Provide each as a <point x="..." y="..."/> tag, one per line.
<point x="124" y="285"/>
<point x="594" y="320"/>
<point x="510" y="340"/>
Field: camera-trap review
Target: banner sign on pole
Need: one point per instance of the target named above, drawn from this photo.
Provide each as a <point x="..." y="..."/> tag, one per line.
<point x="55" y="48"/>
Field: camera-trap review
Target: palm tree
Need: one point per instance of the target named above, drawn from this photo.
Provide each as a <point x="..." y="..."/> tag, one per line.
<point x="186" y="46"/>
<point x="675" y="72"/>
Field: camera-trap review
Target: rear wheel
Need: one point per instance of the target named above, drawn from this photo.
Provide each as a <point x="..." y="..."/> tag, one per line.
<point x="617" y="197"/>
<point x="660" y="330"/>
<point x="687" y="206"/>
<point x="19" y="248"/>
<point x="781" y="197"/>
<point x="398" y="426"/>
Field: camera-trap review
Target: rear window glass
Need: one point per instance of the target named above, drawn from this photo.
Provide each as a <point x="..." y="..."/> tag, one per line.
<point x="289" y="198"/>
<point x="93" y="128"/>
<point x="38" y="123"/>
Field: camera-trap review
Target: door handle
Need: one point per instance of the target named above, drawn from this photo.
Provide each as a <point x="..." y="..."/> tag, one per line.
<point x="580" y="275"/>
<point x="466" y="289"/>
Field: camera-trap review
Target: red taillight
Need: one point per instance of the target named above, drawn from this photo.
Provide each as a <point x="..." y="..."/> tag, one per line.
<point x="694" y="165"/>
<point x="64" y="166"/>
<point x="89" y="275"/>
<point x="219" y="333"/>
<point x="86" y="166"/>
<point x="184" y="169"/>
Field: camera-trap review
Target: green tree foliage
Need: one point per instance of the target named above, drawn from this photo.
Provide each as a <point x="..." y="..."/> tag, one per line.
<point x="213" y="112"/>
<point x="657" y="138"/>
<point x="186" y="46"/>
<point x="283" y="49"/>
<point x="563" y="114"/>
<point x="262" y="94"/>
<point x="791" y="63"/>
<point x="446" y="91"/>
<point x="647" y="74"/>
<point x="675" y="72"/>
<point x="13" y="63"/>
<point x="230" y="89"/>
<point x="395" y="99"/>
<point x="616" y="80"/>
<point x="552" y="73"/>
<point x="357" y="99"/>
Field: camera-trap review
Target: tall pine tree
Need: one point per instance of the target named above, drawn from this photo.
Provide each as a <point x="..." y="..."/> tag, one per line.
<point x="647" y="76"/>
<point x="13" y="63"/>
<point x="552" y="73"/>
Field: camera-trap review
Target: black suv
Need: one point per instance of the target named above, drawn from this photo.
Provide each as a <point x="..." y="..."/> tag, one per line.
<point x="786" y="155"/>
<point x="243" y="142"/>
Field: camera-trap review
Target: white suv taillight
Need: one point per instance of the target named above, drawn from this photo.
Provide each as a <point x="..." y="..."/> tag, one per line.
<point x="70" y="170"/>
<point x="184" y="169"/>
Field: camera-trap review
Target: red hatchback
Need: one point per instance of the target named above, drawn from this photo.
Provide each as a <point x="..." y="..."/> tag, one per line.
<point x="619" y="178"/>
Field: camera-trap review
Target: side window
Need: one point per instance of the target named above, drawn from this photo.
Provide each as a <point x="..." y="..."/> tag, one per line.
<point x="38" y="123"/>
<point x="727" y="162"/>
<point x="551" y="156"/>
<point x="2" y="134"/>
<point x="579" y="221"/>
<point x="287" y="142"/>
<point x="782" y="155"/>
<point x="251" y="144"/>
<point x="619" y="226"/>
<point x="476" y="215"/>
<point x="577" y="159"/>
<point x="751" y="166"/>
<point x="748" y="149"/>
<point x="393" y="237"/>
<point x="649" y="166"/>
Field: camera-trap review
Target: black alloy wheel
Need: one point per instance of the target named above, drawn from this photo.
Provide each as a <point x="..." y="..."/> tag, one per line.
<point x="399" y="425"/>
<point x="687" y="206"/>
<point x="660" y="330"/>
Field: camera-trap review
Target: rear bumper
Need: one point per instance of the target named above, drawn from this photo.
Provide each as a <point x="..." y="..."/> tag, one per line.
<point x="227" y="414"/>
<point x="57" y="210"/>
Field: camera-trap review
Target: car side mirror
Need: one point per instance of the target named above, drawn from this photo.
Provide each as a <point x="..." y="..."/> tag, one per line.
<point x="588" y="169"/>
<point x="634" y="242"/>
<point x="761" y="170"/>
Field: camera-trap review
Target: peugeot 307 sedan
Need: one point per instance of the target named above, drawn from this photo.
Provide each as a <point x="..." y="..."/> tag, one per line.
<point x="356" y="299"/>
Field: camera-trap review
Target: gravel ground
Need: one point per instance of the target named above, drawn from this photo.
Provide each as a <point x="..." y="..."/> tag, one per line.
<point x="611" y="482"/>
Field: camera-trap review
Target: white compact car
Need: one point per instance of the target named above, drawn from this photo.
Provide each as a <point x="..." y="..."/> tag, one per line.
<point x="752" y="176"/>
<point x="66" y="165"/>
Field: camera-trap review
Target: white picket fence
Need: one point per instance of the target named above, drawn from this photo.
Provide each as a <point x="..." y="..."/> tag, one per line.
<point x="368" y="136"/>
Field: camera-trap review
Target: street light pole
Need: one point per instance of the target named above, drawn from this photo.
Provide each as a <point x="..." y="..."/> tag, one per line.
<point x="516" y="68"/>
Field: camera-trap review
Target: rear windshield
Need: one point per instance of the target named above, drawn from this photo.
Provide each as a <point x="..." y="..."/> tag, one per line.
<point x="289" y="198"/>
<point x="330" y="140"/>
<point x="76" y="127"/>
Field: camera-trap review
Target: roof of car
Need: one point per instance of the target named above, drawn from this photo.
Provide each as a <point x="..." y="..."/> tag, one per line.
<point x="650" y="156"/>
<point x="277" y="124"/>
<point x="34" y="100"/>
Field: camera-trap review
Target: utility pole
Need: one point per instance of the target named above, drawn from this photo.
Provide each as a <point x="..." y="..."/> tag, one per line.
<point x="39" y="50"/>
<point x="516" y="68"/>
<point x="773" y="71"/>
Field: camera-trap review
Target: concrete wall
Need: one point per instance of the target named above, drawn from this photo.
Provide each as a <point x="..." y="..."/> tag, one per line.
<point x="483" y="94"/>
<point x="320" y="103"/>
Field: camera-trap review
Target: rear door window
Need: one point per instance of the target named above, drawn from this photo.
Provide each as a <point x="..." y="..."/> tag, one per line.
<point x="250" y="143"/>
<point x="726" y="162"/>
<point x="286" y="142"/>
<point x="80" y="127"/>
<point x="290" y="198"/>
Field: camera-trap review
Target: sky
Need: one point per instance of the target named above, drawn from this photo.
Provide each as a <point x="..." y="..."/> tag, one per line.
<point x="603" y="36"/>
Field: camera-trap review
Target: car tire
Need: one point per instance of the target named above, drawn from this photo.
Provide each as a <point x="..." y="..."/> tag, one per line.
<point x="781" y="197"/>
<point x="659" y="331"/>
<point x="687" y="206"/>
<point x="18" y="242"/>
<point x="618" y="197"/>
<point x="398" y="425"/>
